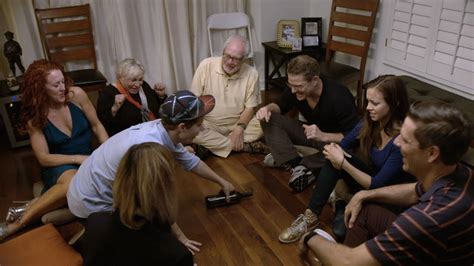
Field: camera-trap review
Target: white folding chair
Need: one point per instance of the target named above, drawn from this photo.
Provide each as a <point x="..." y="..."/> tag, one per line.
<point x="229" y="23"/>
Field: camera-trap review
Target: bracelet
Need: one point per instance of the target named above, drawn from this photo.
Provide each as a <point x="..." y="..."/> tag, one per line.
<point x="342" y="162"/>
<point x="319" y="232"/>
<point x="308" y="237"/>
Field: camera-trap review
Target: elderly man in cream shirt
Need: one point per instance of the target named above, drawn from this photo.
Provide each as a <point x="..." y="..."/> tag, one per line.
<point x="232" y="125"/>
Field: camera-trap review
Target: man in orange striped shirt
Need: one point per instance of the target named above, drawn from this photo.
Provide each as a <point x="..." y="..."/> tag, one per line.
<point x="438" y="226"/>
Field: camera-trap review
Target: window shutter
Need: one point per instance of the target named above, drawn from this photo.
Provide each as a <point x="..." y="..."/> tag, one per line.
<point x="410" y="34"/>
<point x="434" y="39"/>
<point x="453" y="51"/>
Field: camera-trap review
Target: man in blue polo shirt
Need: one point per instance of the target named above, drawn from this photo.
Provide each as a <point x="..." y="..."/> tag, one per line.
<point x="438" y="226"/>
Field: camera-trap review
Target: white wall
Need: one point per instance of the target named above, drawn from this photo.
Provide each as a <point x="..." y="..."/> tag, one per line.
<point x="265" y="15"/>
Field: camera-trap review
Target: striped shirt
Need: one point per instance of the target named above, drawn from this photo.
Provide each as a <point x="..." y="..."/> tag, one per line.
<point x="439" y="229"/>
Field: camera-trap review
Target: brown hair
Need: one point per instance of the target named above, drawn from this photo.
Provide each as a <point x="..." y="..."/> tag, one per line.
<point x="442" y="125"/>
<point x="187" y="124"/>
<point x="144" y="189"/>
<point x="35" y="101"/>
<point x="304" y="65"/>
<point x="395" y="95"/>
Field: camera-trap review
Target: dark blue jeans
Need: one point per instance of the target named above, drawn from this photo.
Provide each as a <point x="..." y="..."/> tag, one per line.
<point x="327" y="179"/>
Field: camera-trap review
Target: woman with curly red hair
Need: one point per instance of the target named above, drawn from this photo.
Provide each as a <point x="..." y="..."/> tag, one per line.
<point x="59" y="118"/>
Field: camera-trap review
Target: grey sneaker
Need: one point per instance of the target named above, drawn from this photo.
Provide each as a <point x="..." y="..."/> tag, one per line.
<point x="301" y="177"/>
<point x="303" y="223"/>
<point x="269" y="161"/>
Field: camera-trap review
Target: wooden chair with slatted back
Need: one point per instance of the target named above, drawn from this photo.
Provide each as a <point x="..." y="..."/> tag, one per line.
<point x="350" y="31"/>
<point x="66" y="35"/>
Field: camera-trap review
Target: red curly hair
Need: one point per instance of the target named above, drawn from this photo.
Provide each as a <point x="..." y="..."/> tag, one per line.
<point x="35" y="102"/>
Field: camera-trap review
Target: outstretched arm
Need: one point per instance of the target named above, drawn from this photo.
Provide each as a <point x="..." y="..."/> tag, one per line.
<point x="203" y="170"/>
<point x="191" y="245"/>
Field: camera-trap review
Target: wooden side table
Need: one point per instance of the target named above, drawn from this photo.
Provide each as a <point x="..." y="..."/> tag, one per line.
<point x="280" y="58"/>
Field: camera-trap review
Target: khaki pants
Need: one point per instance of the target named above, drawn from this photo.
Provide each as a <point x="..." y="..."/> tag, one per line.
<point x="216" y="138"/>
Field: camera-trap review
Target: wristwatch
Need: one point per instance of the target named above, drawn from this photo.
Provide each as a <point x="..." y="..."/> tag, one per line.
<point x="242" y="125"/>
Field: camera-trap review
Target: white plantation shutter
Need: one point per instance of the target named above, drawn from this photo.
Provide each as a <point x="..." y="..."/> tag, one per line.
<point x="434" y="38"/>
<point x="411" y="31"/>
<point x="453" y="51"/>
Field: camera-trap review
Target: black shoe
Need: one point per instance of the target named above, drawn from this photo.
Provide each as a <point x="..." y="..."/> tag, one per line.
<point x="301" y="178"/>
<point x="339" y="227"/>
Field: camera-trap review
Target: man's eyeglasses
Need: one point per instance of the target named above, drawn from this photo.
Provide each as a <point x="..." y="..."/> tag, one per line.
<point x="297" y="87"/>
<point x="229" y="58"/>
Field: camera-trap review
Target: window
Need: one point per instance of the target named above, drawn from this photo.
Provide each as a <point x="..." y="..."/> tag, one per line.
<point x="434" y="39"/>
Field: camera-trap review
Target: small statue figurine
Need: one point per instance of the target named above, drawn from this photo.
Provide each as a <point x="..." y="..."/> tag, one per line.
<point x="12" y="51"/>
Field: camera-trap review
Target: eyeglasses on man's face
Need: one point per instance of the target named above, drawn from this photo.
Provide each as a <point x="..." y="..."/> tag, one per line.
<point x="299" y="87"/>
<point x="228" y="57"/>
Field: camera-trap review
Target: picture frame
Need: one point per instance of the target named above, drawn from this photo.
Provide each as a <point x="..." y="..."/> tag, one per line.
<point x="297" y="44"/>
<point x="311" y="31"/>
<point x="286" y="31"/>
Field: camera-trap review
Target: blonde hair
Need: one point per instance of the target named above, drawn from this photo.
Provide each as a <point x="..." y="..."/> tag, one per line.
<point x="144" y="189"/>
<point x="129" y="67"/>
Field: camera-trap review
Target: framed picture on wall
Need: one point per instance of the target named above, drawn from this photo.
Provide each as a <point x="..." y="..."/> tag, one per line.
<point x="286" y="31"/>
<point x="311" y="31"/>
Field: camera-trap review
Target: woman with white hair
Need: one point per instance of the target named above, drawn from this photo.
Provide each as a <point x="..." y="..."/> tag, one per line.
<point x="129" y="100"/>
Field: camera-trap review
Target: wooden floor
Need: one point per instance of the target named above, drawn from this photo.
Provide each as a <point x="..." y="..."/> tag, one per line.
<point x="243" y="234"/>
<point x="247" y="233"/>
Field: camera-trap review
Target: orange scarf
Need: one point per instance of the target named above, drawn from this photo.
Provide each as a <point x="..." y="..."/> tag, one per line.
<point x="129" y="98"/>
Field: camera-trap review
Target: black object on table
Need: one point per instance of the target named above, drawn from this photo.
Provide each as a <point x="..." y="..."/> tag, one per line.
<point x="280" y="58"/>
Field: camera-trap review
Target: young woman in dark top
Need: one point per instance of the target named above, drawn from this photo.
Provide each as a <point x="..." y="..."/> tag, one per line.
<point x="60" y="120"/>
<point x="387" y="106"/>
<point x="139" y="231"/>
<point x="129" y="100"/>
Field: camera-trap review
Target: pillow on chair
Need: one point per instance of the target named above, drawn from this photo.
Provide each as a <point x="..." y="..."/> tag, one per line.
<point x="56" y="217"/>
<point x="41" y="246"/>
